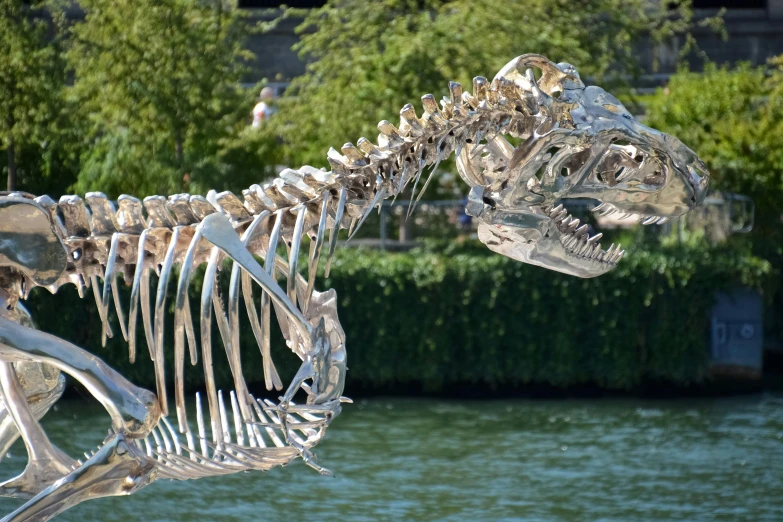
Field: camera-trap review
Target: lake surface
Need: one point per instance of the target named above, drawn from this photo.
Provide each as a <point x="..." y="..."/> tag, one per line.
<point x="565" y="460"/>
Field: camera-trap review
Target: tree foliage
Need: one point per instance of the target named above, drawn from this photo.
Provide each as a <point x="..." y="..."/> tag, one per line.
<point x="157" y="107"/>
<point x="159" y="84"/>
<point x="733" y="118"/>
<point x="433" y="318"/>
<point x="31" y="79"/>
<point x="368" y="59"/>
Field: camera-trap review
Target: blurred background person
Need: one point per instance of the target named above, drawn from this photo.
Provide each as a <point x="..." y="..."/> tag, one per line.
<point x="265" y="108"/>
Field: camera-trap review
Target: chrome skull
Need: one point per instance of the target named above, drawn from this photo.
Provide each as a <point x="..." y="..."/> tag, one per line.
<point x="576" y="142"/>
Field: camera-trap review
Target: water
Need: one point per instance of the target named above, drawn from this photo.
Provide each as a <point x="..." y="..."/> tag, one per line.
<point x="570" y="460"/>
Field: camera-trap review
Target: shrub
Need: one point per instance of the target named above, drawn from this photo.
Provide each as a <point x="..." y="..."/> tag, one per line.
<point x="433" y="320"/>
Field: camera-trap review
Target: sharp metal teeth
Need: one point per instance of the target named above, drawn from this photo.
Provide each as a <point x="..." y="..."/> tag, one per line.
<point x="573" y="224"/>
<point x="581" y="230"/>
<point x="608" y="212"/>
<point x="599" y="207"/>
<point x="662" y="220"/>
<point x="619" y="256"/>
<point x="560" y="215"/>
<point x="610" y="252"/>
<point x="556" y="210"/>
<point x="569" y="241"/>
<point x="595" y="238"/>
<point x="650" y="220"/>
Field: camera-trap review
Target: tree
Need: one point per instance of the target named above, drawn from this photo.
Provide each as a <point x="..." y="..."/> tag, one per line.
<point x="159" y="82"/>
<point x="733" y="119"/>
<point x="31" y="80"/>
<point x="368" y="59"/>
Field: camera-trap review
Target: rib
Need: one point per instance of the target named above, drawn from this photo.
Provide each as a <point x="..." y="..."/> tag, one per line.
<point x="315" y="255"/>
<point x="202" y="436"/>
<point x="160" y="302"/>
<point x="183" y="322"/>
<point x="109" y="286"/>
<point x="134" y="303"/>
<point x="338" y="217"/>
<point x="293" y="257"/>
<point x="232" y="352"/>
<point x="379" y="195"/>
<point x="206" y="344"/>
<point x="238" y="421"/>
<point x="223" y="419"/>
<point x="105" y="327"/>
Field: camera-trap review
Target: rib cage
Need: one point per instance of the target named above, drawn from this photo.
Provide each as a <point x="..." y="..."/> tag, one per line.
<point x="163" y="234"/>
<point x="197" y="457"/>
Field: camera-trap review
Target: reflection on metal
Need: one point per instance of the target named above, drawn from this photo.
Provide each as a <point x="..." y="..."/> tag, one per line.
<point x="736" y="212"/>
<point x="575" y="142"/>
<point x="720" y="215"/>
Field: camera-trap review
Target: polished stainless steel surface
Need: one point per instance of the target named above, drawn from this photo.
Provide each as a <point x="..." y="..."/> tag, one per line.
<point x="575" y="142"/>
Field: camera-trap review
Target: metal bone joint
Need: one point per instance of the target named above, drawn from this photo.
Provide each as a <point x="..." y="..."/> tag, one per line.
<point x="574" y="142"/>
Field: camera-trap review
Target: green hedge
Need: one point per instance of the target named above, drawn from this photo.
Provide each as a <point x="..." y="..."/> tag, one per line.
<point x="433" y="318"/>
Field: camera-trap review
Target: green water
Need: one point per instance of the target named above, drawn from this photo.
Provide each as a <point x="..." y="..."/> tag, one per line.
<point x="565" y="460"/>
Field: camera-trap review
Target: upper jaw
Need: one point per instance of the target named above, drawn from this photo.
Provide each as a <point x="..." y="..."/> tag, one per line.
<point x="683" y="186"/>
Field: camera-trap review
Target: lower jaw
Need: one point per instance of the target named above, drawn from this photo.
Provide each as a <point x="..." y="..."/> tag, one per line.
<point x="550" y="254"/>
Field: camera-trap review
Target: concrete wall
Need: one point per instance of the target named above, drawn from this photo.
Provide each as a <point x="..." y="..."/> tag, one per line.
<point x="275" y="61"/>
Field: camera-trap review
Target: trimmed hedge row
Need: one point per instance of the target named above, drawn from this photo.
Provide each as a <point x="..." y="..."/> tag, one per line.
<point x="433" y="318"/>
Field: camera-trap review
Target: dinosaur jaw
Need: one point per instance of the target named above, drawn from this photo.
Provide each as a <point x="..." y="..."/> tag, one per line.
<point x="569" y="252"/>
<point x="557" y="241"/>
<point x="551" y="238"/>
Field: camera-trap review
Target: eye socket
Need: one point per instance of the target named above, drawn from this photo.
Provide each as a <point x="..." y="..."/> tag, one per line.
<point x="656" y="178"/>
<point x="609" y="177"/>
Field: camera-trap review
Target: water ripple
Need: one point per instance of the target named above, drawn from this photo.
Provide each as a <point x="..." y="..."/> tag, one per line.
<point x="607" y="460"/>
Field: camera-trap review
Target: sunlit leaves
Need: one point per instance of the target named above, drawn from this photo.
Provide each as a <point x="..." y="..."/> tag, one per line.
<point x="733" y="119"/>
<point x="159" y="81"/>
<point x="31" y="78"/>
<point x="368" y="59"/>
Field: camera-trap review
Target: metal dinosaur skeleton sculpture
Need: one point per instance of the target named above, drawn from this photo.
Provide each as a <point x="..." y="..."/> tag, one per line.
<point x="574" y="142"/>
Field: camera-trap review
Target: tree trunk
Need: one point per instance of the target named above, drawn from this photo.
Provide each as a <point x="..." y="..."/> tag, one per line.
<point x="11" y="166"/>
